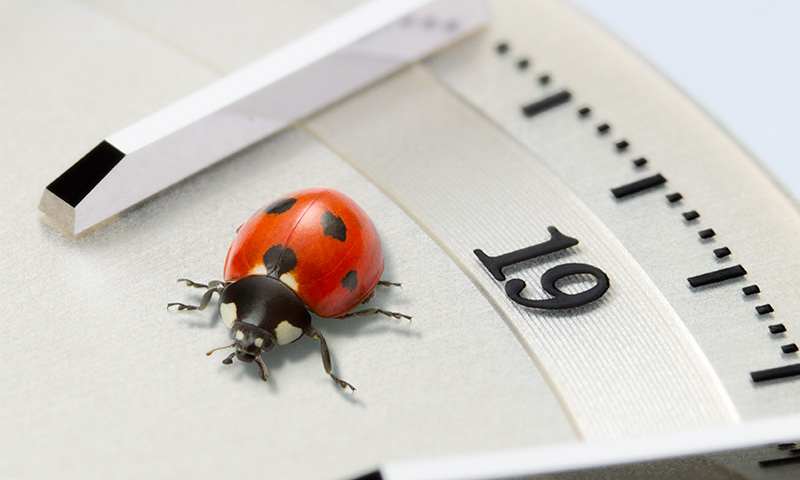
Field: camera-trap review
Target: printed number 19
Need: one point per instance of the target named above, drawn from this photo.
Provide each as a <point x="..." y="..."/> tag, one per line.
<point x="561" y="300"/>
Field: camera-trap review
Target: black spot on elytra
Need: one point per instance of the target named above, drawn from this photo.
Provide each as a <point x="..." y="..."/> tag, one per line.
<point x="350" y="281"/>
<point x="333" y="226"/>
<point x="280" y="206"/>
<point x="279" y="260"/>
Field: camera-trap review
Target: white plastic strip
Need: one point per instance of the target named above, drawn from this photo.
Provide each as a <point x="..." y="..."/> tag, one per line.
<point x="254" y="102"/>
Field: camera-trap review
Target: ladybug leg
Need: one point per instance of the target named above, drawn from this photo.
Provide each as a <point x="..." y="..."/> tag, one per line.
<point x="262" y="368"/>
<point x="213" y="286"/>
<point x="369" y="297"/>
<point x="373" y="311"/>
<point x="326" y="356"/>
<point x="383" y="284"/>
<point x="190" y="283"/>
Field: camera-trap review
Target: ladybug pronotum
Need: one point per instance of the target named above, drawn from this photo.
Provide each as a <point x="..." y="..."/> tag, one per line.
<point x="312" y="250"/>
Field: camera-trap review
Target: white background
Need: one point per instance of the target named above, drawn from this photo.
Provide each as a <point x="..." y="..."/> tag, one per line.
<point x="738" y="59"/>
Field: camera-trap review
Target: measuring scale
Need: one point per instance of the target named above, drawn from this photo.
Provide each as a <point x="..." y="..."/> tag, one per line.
<point x="597" y="273"/>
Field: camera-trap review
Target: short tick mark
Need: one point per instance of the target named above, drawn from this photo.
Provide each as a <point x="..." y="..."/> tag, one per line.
<point x="674" y="197"/>
<point x="692" y="215"/>
<point x="707" y="233"/>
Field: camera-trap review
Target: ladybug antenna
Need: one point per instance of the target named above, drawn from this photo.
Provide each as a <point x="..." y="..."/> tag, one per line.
<point x="222" y="348"/>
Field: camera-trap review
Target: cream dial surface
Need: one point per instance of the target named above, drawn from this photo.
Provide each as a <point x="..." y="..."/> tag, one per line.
<point x="441" y="158"/>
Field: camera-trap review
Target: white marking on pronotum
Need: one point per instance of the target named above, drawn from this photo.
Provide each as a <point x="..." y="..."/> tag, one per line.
<point x="285" y="333"/>
<point x="239" y="335"/>
<point x="259" y="342"/>
<point x="228" y="313"/>
<point x="259" y="269"/>
<point x="289" y="280"/>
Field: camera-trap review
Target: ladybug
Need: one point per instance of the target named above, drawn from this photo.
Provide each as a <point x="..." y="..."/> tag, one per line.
<point x="313" y="250"/>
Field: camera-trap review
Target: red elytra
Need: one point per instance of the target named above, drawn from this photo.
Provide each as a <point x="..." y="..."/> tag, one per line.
<point x="318" y="242"/>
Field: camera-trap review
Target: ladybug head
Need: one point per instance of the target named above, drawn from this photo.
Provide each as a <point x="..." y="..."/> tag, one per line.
<point x="249" y="342"/>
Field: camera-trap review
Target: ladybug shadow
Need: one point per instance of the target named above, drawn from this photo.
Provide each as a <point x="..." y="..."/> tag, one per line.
<point x="334" y="329"/>
<point x="300" y="351"/>
<point x="371" y="325"/>
<point x="209" y="319"/>
<point x="275" y="360"/>
<point x="376" y="323"/>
